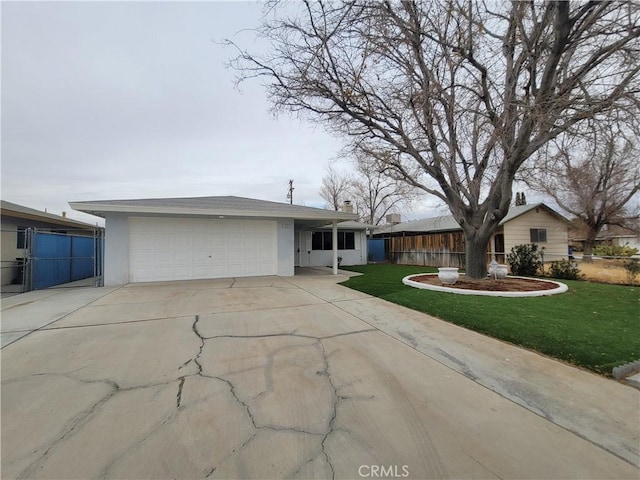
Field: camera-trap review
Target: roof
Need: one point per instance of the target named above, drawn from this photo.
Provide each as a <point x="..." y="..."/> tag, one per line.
<point x="10" y="209"/>
<point x="518" y="210"/>
<point x="211" y="206"/>
<point x="448" y="224"/>
<point x="437" y="224"/>
<point x="349" y="225"/>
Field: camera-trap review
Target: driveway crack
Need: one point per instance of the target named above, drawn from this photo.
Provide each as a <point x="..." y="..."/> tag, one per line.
<point x="179" y="395"/>
<point x="82" y="418"/>
<point x="334" y="413"/>
<point x="196" y="359"/>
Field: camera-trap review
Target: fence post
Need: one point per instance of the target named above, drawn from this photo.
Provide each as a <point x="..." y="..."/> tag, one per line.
<point x="27" y="280"/>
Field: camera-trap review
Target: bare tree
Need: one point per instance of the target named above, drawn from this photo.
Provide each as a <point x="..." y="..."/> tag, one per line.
<point x="454" y="95"/>
<point x="373" y="193"/>
<point x="376" y="194"/>
<point x="334" y="188"/>
<point x="593" y="177"/>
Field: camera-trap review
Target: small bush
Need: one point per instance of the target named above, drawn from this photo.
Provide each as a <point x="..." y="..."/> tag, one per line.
<point x="524" y="260"/>
<point x="614" y="251"/>
<point x="565" y="269"/>
<point x="632" y="267"/>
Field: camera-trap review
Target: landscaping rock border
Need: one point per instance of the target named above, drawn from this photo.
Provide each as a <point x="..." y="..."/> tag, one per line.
<point x="560" y="288"/>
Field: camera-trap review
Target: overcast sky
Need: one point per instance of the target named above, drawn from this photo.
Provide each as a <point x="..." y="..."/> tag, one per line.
<point x="132" y="100"/>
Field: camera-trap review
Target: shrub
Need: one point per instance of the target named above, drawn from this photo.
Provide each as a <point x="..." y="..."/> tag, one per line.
<point x="632" y="268"/>
<point x="525" y="260"/>
<point x="614" y="250"/>
<point x="565" y="269"/>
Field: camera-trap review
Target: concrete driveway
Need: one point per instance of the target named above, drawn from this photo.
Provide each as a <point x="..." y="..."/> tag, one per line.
<point x="291" y="378"/>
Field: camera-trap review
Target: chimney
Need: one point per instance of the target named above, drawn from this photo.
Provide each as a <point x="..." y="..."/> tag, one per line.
<point x="64" y="214"/>
<point x="347" y="207"/>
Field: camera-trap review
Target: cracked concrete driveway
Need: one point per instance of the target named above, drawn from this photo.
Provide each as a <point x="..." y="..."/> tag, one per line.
<point x="289" y="378"/>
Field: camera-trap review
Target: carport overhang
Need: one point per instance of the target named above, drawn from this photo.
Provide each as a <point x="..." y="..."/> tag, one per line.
<point x="301" y="217"/>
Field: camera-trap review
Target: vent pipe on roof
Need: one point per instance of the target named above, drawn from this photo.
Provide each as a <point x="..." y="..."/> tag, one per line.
<point x="64" y="214"/>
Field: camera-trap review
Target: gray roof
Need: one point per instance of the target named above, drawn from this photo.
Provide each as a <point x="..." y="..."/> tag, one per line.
<point x="349" y="225"/>
<point x="518" y="210"/>
<point x="10" y="209"/>
<point x="221" y="206"/>
<point x="437" y="224"/>
<point x="448" y="224"/>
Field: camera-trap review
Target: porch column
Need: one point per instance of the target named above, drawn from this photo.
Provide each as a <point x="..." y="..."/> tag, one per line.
<point x="334" y="243"/>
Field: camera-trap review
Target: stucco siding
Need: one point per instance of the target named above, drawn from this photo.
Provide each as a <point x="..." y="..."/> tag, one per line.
<point x="116" y="250"/>
<point x="517" y="232"/>
<point x="285" y="247"/>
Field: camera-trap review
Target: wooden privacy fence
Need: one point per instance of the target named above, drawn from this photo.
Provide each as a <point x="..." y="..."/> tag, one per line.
<point x="433" y="249"/>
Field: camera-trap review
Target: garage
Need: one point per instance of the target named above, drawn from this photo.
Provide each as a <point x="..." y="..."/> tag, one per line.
<point x="164" y="239"/>
<point x="181" y="248"/>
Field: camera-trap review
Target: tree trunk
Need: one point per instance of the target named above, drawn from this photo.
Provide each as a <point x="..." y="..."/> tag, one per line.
<point x="476" y="256"/>
<point x="589" y="242"/>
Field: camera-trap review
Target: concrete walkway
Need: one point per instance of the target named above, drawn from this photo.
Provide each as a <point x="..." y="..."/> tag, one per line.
<point x="26" y="312"/>
<point x="299" y="377"/>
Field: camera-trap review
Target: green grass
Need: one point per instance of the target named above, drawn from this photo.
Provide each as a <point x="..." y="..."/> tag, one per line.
<point x="596" y="326"/>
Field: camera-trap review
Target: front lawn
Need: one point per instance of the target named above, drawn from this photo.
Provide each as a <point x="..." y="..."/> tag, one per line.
<point x="593" y="325"/>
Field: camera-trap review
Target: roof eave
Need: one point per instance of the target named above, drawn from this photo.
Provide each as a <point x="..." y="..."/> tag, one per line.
<point x="102" y="209"/>
<point x="54" y="220"/>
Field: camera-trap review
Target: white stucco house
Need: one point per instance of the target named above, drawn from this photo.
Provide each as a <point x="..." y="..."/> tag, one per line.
<point x="216" y="237"/>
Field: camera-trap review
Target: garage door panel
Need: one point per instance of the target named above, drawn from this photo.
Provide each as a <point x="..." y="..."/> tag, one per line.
<point x="184" y="257"/>
<point x="182" y="248"/>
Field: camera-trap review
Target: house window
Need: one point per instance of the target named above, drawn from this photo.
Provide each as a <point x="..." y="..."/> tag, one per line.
<point x="324" y="241"/>
<point x="538" y="235"/>
<point x="22" y="237"/>
<point x="346" y="241"/>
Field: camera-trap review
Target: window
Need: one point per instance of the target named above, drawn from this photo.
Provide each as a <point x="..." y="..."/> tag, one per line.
<point x="22" y="237"/>
<point x="346" y="241"/>
<point x="323" y="241"/>
<point x="538" y="235"/>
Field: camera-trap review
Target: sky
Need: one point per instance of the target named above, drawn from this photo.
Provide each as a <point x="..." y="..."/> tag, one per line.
<point x="118" y="100"/>
<point x="106" y="100"/>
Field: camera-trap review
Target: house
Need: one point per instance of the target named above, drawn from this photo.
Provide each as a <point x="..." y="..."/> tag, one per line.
<point x="439" y="241"/>
<point x="18" y="223"/>
<point x="216" y="237"/>
<point x="611" y="235"/>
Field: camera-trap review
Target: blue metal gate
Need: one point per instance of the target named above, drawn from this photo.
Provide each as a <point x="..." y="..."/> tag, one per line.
<point x="376" y="250"/>
<point x="57" y="258"/>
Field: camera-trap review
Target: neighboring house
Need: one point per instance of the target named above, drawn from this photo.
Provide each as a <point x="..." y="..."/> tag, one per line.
<point x="440" y="242"/>
<point x="631" y="240"/>
<point x="609" y="235"/>
<point x="16" y="220"/>
<point x="217" y="237"/>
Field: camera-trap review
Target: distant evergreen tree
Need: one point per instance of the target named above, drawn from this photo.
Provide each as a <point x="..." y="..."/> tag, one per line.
<point x="520" y="199"/>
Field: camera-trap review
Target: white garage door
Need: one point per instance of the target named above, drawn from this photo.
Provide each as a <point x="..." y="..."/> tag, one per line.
<point x="183" y="249"/>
